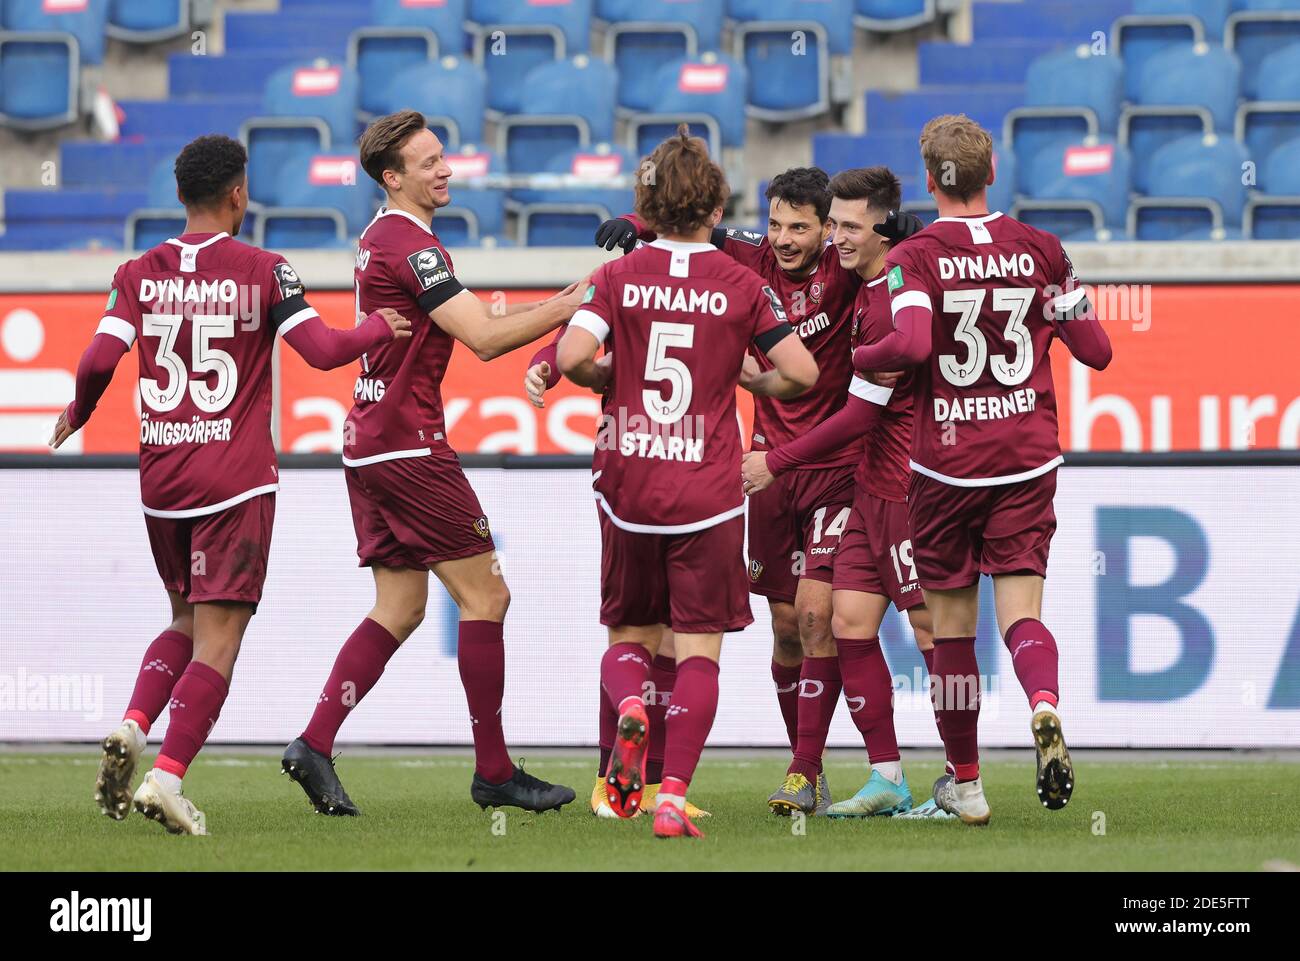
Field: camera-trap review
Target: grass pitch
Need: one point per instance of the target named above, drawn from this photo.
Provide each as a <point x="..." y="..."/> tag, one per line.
<point x="1144" y="813"/>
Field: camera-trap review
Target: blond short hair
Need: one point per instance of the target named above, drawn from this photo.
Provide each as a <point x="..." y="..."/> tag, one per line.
<point x="958" y="153"/>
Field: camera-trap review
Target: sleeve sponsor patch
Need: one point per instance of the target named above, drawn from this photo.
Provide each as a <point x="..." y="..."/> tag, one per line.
<point x="775" y="303"/>
<point x="430" y="266"/>
<point x="112" y="300"/>
<point x="591" y="292"/>
<point x="751" y="237"/>
<point x="290" y="284"/>
<point x="895" y="278"/>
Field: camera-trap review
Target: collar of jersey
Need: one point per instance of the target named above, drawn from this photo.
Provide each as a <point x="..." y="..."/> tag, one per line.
<point x="681" y="246"/>
<point x="199" y="246"/>
<point x="387" y="211"/>
<point x="969" y="220"/>
<point x="883" y="274"/>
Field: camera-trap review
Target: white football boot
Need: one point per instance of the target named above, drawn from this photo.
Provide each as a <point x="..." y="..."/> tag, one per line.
<point x="172" y="809"/>
<point x="962" y="798"/>
<point x="122" y="751"/>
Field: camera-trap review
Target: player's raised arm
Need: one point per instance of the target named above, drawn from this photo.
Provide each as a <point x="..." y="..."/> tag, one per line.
<point x="113" y="338"/>
<point x="320" y="345"/>
<point x="1077" y="323"/>
<point x="909" y="342"/>
<point x="470" y="321"/>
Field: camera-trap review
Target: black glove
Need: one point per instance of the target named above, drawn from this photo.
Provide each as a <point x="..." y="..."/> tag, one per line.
<point x="619" y="232"/>
<point x="899" y="225"/>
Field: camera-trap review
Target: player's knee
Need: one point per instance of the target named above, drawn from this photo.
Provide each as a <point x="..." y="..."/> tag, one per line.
<point x="842" y="626"/>
<point x="814" y="630"/>
<point x="489" y="603"/>
<point x="787" y="649"/>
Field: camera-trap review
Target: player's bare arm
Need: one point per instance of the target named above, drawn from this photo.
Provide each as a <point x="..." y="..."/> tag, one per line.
<point x="794" y="373"/>
<point x="94" y="373"/>
<point x="470" y="321"/>
<point x="576" y="356"/>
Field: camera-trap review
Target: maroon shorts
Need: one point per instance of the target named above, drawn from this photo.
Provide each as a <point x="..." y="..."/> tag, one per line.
<point x="694" y="583"/>
<point x="875" y="553"/>
<point x="794" y="528"/>
<point x="215" y="557"/>
<point x="959" y="533"/>
<point x="414" y="512"/>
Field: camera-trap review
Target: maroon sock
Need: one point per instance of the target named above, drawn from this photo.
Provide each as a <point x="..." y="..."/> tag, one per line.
<point x="928" y="657"/>
<point x="624" y="670"/>
<point x="608" y="729"/>
<point x="958" y="703"/>
<point x="1034" y="656"/>
<point x="356" y="669"/>
<point x="663" y="675"/>
<point x="690" y="717"/>
<point x="164" y="662"/>
<point x="787" y="695"/>
<point x="819" y="691"/>
<point x="869" y="693"/>
<point x="481" y="655"/>
<point x="195" y="706"/>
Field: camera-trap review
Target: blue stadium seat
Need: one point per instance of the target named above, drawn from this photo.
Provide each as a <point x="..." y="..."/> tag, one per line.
<point x="486" y="204"/>
<point x="1094" y="174"/>
<point x="148" y="21"/>
<point x="329" y="181"/>
<point x="86" y="20"/>
<point x="1256" y="32"/>
<point x="185" y="119"/>
<point x="550" y="216"/>
<point x="705" y="16"/>
<point x="895" y="149"/>
<point x="1213" y="14"/>
<point x="889" y="16"/>
<point x="1275" y="117"/>
<point x="234" y="74"/>
<point x="445" y="18"/>
<point x="786" y="46"/>
<point x="39" y="80"/>
<point x="572" y="17"/>
<point x="162" y="184"/>
<point x="149" y="227"/>
<point x="565" y="104"/>
<point x="1183" y="91"/>
<point x="1002" y="195"/>
<point x="277" y="143"/>
<point x="515" y="37"/>
<point x="305" y="27"/>
<point x="987" y="105"/>
<point x="982" y="62"/>
<point x="708" y="92"/>
<point x="452" y="94"/>
<point x="121" y="164"/>
<point x="378" y="54"/>
<point x="324" y="90"/>
<point x="638" y="49"/>
<point x="1274" y="213"/>
<point x="1280" y="171"/>
<point x="1137" y="39"/>
<point x="1048" y="21"/>
<point x="306" y="229"/>
<point x="1195" y="191"/>
<point x="1069" y="94"/>
<point x="68" y="218"/>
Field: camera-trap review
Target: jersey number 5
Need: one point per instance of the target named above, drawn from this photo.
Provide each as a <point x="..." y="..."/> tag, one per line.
<point x="1013" y="301"/>
<point x="659" y="366"/>
<point x="205" y="359"/>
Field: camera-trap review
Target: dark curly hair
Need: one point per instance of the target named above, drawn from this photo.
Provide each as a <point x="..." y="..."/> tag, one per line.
<point x="801" y="186"/>
<point x="209" y="167"/>
<point x="680" y="186"/>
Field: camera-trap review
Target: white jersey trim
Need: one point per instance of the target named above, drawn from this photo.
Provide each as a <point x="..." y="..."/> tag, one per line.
<point x="1052" y="464"/>
<point x="391" y="455"/>
<point x="910" y="298"/>
<point x="865" y="389"/>
<point x="119" y="328"/>
<point x="592" y="323"/>
<point x="213" y="508"/>
<point x="708" y="522"/>
<point x="386" y="211"/>
<point x="969" y="220"/>
<point x="307" y="313"/>
<point x="1070" y="300"/>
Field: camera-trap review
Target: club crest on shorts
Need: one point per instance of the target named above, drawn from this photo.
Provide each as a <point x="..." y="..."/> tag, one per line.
<point x="482" y="529"/>
<point x="755" y="570"/>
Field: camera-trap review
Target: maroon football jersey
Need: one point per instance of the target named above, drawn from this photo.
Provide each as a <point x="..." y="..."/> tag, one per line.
<point x="883" y="470"/>
<point x="206" y="309"/>
<point x="986" y="407"/>
<point x="679" y="318"/>
<point x="397" y="401"/>
<point x="820" y="309"/>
